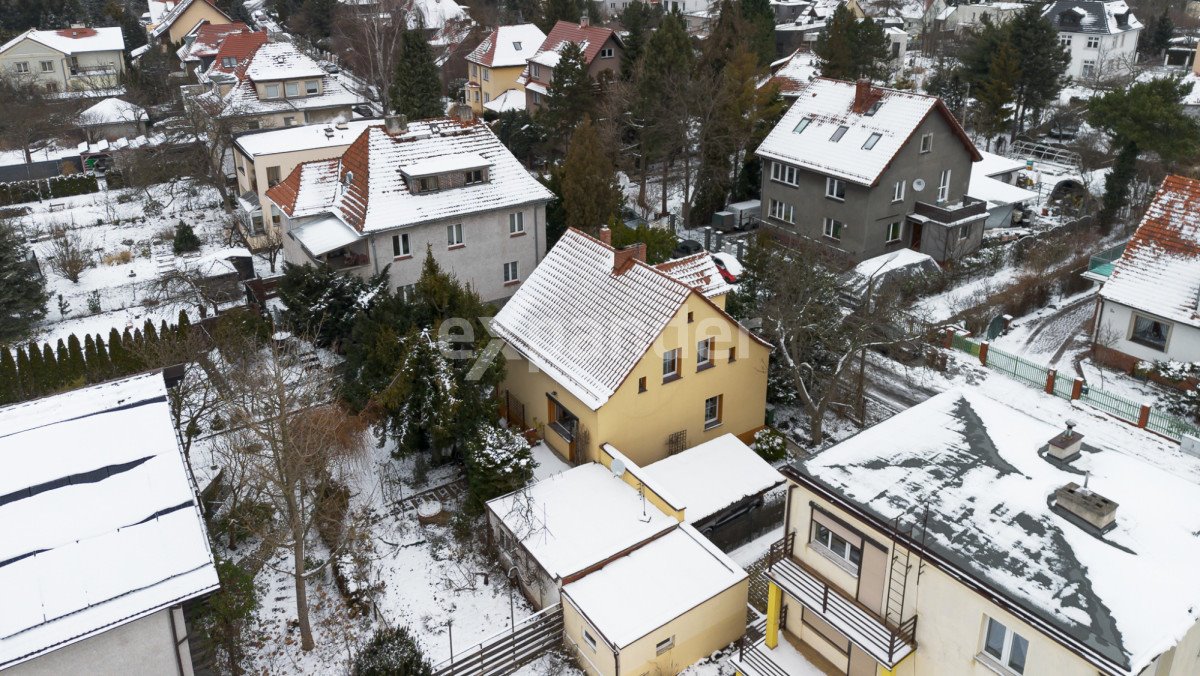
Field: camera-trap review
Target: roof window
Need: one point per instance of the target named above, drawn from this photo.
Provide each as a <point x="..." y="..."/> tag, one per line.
<point x="839" y="133"/>
<point x="873" y="109"/>
<point x="872" y="140"/>
<point x="517" y="46"/>
<point x="801" y="125"/>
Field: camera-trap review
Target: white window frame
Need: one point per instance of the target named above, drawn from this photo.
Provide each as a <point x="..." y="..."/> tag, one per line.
<point x="671" y="357"/>
<point x="44" y="64"/>
<point x="943" y="193"/>
<point x="311" y="87"/>
<point x="228" y="62"/>
<point x="898" y="227"/>
<point x="606" y="53"/>
<point x="535" y="70"/>
<point x="21" y="66"/>
<point x="1064" y="39"/>
<point x="1088" y="68"/>
<point x="832" y="228"/>
<point x="1133" y="322"/>
<point x="834" y="186"/>
<point x="271" y="91"/>
<point x="704" y="352"/>
<point x="785" y="173"/>
<point x="898" y="191"/>
<point x="824" y="536"/>
<point x="516" y="223"/>
<point x="400" y="248"/>
<point x="454" y="235"/>
<point x="291" y="89"/>
<point x="511" y="272"/>
<point x="713" y="420"/>
<point x="926" y="143"/>
<point x="1007" y="640"/>
<point x="1093" y="42"/>
<point x="782" y="211"/>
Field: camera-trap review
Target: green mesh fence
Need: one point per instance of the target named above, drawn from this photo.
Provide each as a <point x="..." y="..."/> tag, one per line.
<point x="1021" y="369"/>
<point x="1123" y="408"/>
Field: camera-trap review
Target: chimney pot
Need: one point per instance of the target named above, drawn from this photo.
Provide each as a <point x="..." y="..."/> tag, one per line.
<point x="395" y="124"/>
<point x="606" y="235"/>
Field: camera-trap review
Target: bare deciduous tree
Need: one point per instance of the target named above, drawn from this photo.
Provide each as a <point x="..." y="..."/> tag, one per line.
<point x="69" y="256"/>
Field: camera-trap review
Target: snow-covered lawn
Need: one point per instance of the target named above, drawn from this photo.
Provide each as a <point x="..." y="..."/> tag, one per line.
<point x="1053" y="335"/>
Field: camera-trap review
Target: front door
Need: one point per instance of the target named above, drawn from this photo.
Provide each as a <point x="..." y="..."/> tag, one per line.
<point x="915" y="245"/>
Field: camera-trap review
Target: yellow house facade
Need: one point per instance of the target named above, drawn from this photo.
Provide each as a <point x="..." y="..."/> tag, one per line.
<point x="493" y="67"/>
<point x="954" y="539"/>
<point x="604" y="348"/>
<point x="182" y="17"/>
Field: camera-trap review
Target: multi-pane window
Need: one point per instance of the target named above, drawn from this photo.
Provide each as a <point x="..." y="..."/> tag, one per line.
<point x="47" y="66"/>
<point x="21" y="66"/>
<point x="606" y="53"/>
<point x="833" y="228"/>
<point x="1089" y="68"/>
<point x="785" y="173"/>
<point x="898" y="190"/>
<point x="1093" y="42"/>
<point x="516" y="222"/>
<point x="670" y="364"/>
<point x="839" y="133"/>
<point x="474" y="176"/>
<point x="893" y="231"/>
<point x="1064" y="40"/>
<point x="510" y="272"/>
<point x="1005" y="646"/>
<point x="535" y="70"/>
<point x="487" y="74"/>
<point x="926" y="142"/>
<point x="712" y="412"/>
<point x="311" y="87"/>
<point x="837" y="545"/>
<point x="835" y="188"/>
<point x="782" y="211"/>
<point x="872" y="140"/>
<point x="944" y="186"/>
<point x="427" y="184"/>
<point x="292" y="89"/>
<point x="454" y="234"/>
<point x="400" y="246"/>
<point x="228" y="62"/>
<point x="704" y="353"/>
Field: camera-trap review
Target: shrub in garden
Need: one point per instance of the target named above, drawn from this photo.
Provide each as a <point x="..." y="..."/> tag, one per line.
<point x="224" y="615"/>
<point x="499" y="461"/>
<point x="392" y="652"/>
<point x="770" y="445"/>
<point x="185" y="239"/>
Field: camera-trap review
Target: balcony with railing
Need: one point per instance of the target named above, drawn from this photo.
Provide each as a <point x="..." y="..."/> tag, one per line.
<point x="1100" y="266"/>
<point x="947" y="214"/>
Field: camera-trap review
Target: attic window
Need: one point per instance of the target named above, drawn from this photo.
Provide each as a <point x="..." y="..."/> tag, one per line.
<point x="228" y="62"/>
<point x="837" y="135"/>
<point x="871" y="141"/>
<point x="427" y="184"/>
<point x="801" y="125"/>
<point x="517" y="46"/>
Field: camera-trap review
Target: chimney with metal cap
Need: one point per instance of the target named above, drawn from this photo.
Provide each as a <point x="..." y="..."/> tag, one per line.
<point x="1066" y="444"/>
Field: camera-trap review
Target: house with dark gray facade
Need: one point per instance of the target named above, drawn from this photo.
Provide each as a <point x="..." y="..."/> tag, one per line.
<point x="866" y="171"/>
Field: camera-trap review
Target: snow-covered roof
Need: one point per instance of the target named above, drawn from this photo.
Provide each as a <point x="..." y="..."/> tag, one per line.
<point x="508" y="46"/>
<point x="378" y="197"/>
<point x="281" y="61"/>
<point x="168" y="19"/>
<point x="243" y="100"/>
<point x="991" y="164"/>
<point x="996" y="192"/>
<point x="208" y="39"/>
<point x="324" y="235"/>
<point x="511" y="99"/>
<point x="442" y="164"/>
<point x="1159" y="272"/>
<point x="978" y="463"/>
<point x="1091" y="16"/>
<point x="699" y="272"/>
<point x="712" y="476"/>
<point x="792" y="73"/>
<point x="74" y="40"/>
<point x="99" y="525"/>
<point x="590" y="345"/>
<point x="301" y="137"/>
<point x="435" y="14"/>
<point x="578" y="518"/>
<point x="112" y="111"/>
<point x="805" y="135"/>
<point x="656" y="583"/>
<point x="591" y="39"/>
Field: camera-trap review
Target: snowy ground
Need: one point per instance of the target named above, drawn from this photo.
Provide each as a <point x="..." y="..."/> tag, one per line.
<point x="114" y="223"/>
<point x="1054" y="335"/>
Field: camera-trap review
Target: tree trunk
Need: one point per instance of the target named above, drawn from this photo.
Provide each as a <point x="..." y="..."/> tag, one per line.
<point x="306" y="637"/>
<point x="816" y="424"/>
<point x="666" y="165"/>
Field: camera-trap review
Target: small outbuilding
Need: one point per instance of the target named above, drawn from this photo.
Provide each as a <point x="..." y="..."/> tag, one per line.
<point x="112" y="119"/>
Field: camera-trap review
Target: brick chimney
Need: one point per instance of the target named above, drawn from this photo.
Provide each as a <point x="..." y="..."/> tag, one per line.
<point x="862" y="95"/>
<point x="606" y="235"/>
<point x="623" y="258"/>
<point x="463" y="112"/>
<point x="395" y="124"/>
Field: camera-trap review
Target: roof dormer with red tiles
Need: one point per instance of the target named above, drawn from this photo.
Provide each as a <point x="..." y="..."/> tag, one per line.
<point x="602" y="49"/>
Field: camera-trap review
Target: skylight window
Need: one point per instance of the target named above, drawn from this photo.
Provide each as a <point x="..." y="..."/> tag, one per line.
<point x="873" y="109"/>
<point x="517" y="46"/>
<point x="802" y="125"/>
<point x="837" y="135"/>
<point x="871" y="141"/>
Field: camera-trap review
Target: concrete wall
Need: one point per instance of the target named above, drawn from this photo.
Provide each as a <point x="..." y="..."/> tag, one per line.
<point x="1116" y="327"/>
<point x="143" y="646"/>
<point x="867" y="211"/>
<point x="33" y="53"/>
<point x="535" y="583"/>
<point x="499" y="80"/>
<point x="637" y="423"/>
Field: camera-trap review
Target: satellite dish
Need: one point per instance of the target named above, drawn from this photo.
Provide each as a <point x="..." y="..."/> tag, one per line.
<point x="919" y="184"/>
<point x="617" y="467"/>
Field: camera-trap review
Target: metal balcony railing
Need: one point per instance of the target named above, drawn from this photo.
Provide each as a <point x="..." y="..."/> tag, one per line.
<point x="1100" y="266"/>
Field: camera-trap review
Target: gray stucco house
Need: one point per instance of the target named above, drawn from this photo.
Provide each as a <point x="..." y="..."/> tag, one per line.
<point x="866" y="171"/>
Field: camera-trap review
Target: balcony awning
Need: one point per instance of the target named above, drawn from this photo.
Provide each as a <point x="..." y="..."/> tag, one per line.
<point x="324" y="235"/>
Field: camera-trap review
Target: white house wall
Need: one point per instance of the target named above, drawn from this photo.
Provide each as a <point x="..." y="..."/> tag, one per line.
<point x="143" y="646"/>
<point x="1116" y="325"/>
<point x="1115" y="56"/>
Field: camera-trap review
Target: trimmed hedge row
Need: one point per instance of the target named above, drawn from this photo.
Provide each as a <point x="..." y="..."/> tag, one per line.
<point x="18" y="192"/>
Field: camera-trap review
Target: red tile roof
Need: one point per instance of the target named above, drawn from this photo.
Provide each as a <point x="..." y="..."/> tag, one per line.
<point x="241" y="46"/>
<point x="211" y="35"/>
<point x="77" y="32"/>
<point x="592" y="38"/>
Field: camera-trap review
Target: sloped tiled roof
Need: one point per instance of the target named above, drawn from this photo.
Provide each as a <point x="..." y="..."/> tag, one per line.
<point x="209" y="38"/>
<point x="590" y="341"/>
<point x="829" y="104"/>
<point x="699" y="272"/>
<point x="377" y="197"/>
<point x="241" y="47"/>
<point x="791" y="74"/>
<point x="499" y="50"/>
<point x="1094" y="16"/>
<point x="177" y="11"/>
<point x="74" y="40"/>
<point x="590" y="38"/>
<point x="279" y="60"/>
<point x="1159" y="272"/>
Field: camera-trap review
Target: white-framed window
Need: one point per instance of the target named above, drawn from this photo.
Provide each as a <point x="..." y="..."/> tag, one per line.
<point x="606" y="53"/>
<point x="835" y="188"/>
<point x="837" y="545"/>
<point x="292" y="89"/>
<point x="785" y="173"/>
<point x="311" y="87"/>
<point x="782" y="211"/>
<point x="664" y="645"/>
<point x="872" y="140"/>
<point x="894" y="230"/>
<point x="271" y="91"/>
<point x="1005" y="647"/>
<point x="454" y="234"/>
<point x="944" y="186"/>
<point x="712" y="412"/>
<point x="228" y="62"/>
<point x="1089" y="68"/>
<point x="589" y="639"/>
<point x="535" y="70"/>
<point x="1064" y="40"/>
<point x="704" y="353"/>
<point x="964" y="233"/>
<point x="926" y="142"/>
<point x="833" y="228"/>
<point x="1093" y="42"/>
<point x="473" y="176"/>
<point x="670" y="364"/>
<point x="289" y="121"/>
<point x="898" y="190"/>
<point x="487" y="74"/>
<point x="516" y="222"/>
<point x="510" y="272"/>
<point x="839" y="133"/>
<point x="47" y="66"/>
<point x="1150" y="332"/>
<point x="400" y="246"/>
<point x="801" y="125"/>
<point x="21" y="66"/>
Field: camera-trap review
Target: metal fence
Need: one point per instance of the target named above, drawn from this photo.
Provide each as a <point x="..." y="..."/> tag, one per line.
<point x="1035" y="375"/>
<point x="507" y="651"/>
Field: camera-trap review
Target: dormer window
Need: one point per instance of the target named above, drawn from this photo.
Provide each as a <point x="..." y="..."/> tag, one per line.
<point x="271" y="91"/>
<point x="474" y="176"/>
<point x="228" y="62"/>
<point x="427" y="184"/>
<point x="292" y="89"/>
<point x="310" y="88"/>
<point x="535" y="70"/>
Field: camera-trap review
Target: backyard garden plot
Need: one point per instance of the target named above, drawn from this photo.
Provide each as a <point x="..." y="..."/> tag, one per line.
<point x="124" y="239"/>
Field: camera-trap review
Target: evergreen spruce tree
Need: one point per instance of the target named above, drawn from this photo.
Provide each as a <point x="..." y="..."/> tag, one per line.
<point x="421" y="401"/>
<point x="760" y="24"/>
<point x="164" y="331"/>
<point x="556" y="214"/>
<point x="77" y="366"/>
<point x="103" y="368"/>
<point x="1041" y="63"/>
<point x="835" y="45"/>
<point x="870" y="50"/>
<point x="25" y="389"/>
<point x="9" y="382"/>
<point x="638" y="18"/>
<point x="185" y="240"/>
<point x="570" y="96"/>
<point x="51" y="374"/>
<point x="23" y="294"/>
<point x="589" y="186"/>
<point x="118" y="355"/>
<point x="995" y="97"/>
<point x="184" y="325"/>
<point x="149" y="332"/>
<point x="35" y="382"/>
<point x="90" y="362"/>
<point x="417" y="89"/>
<point x="1160" y="33"/>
